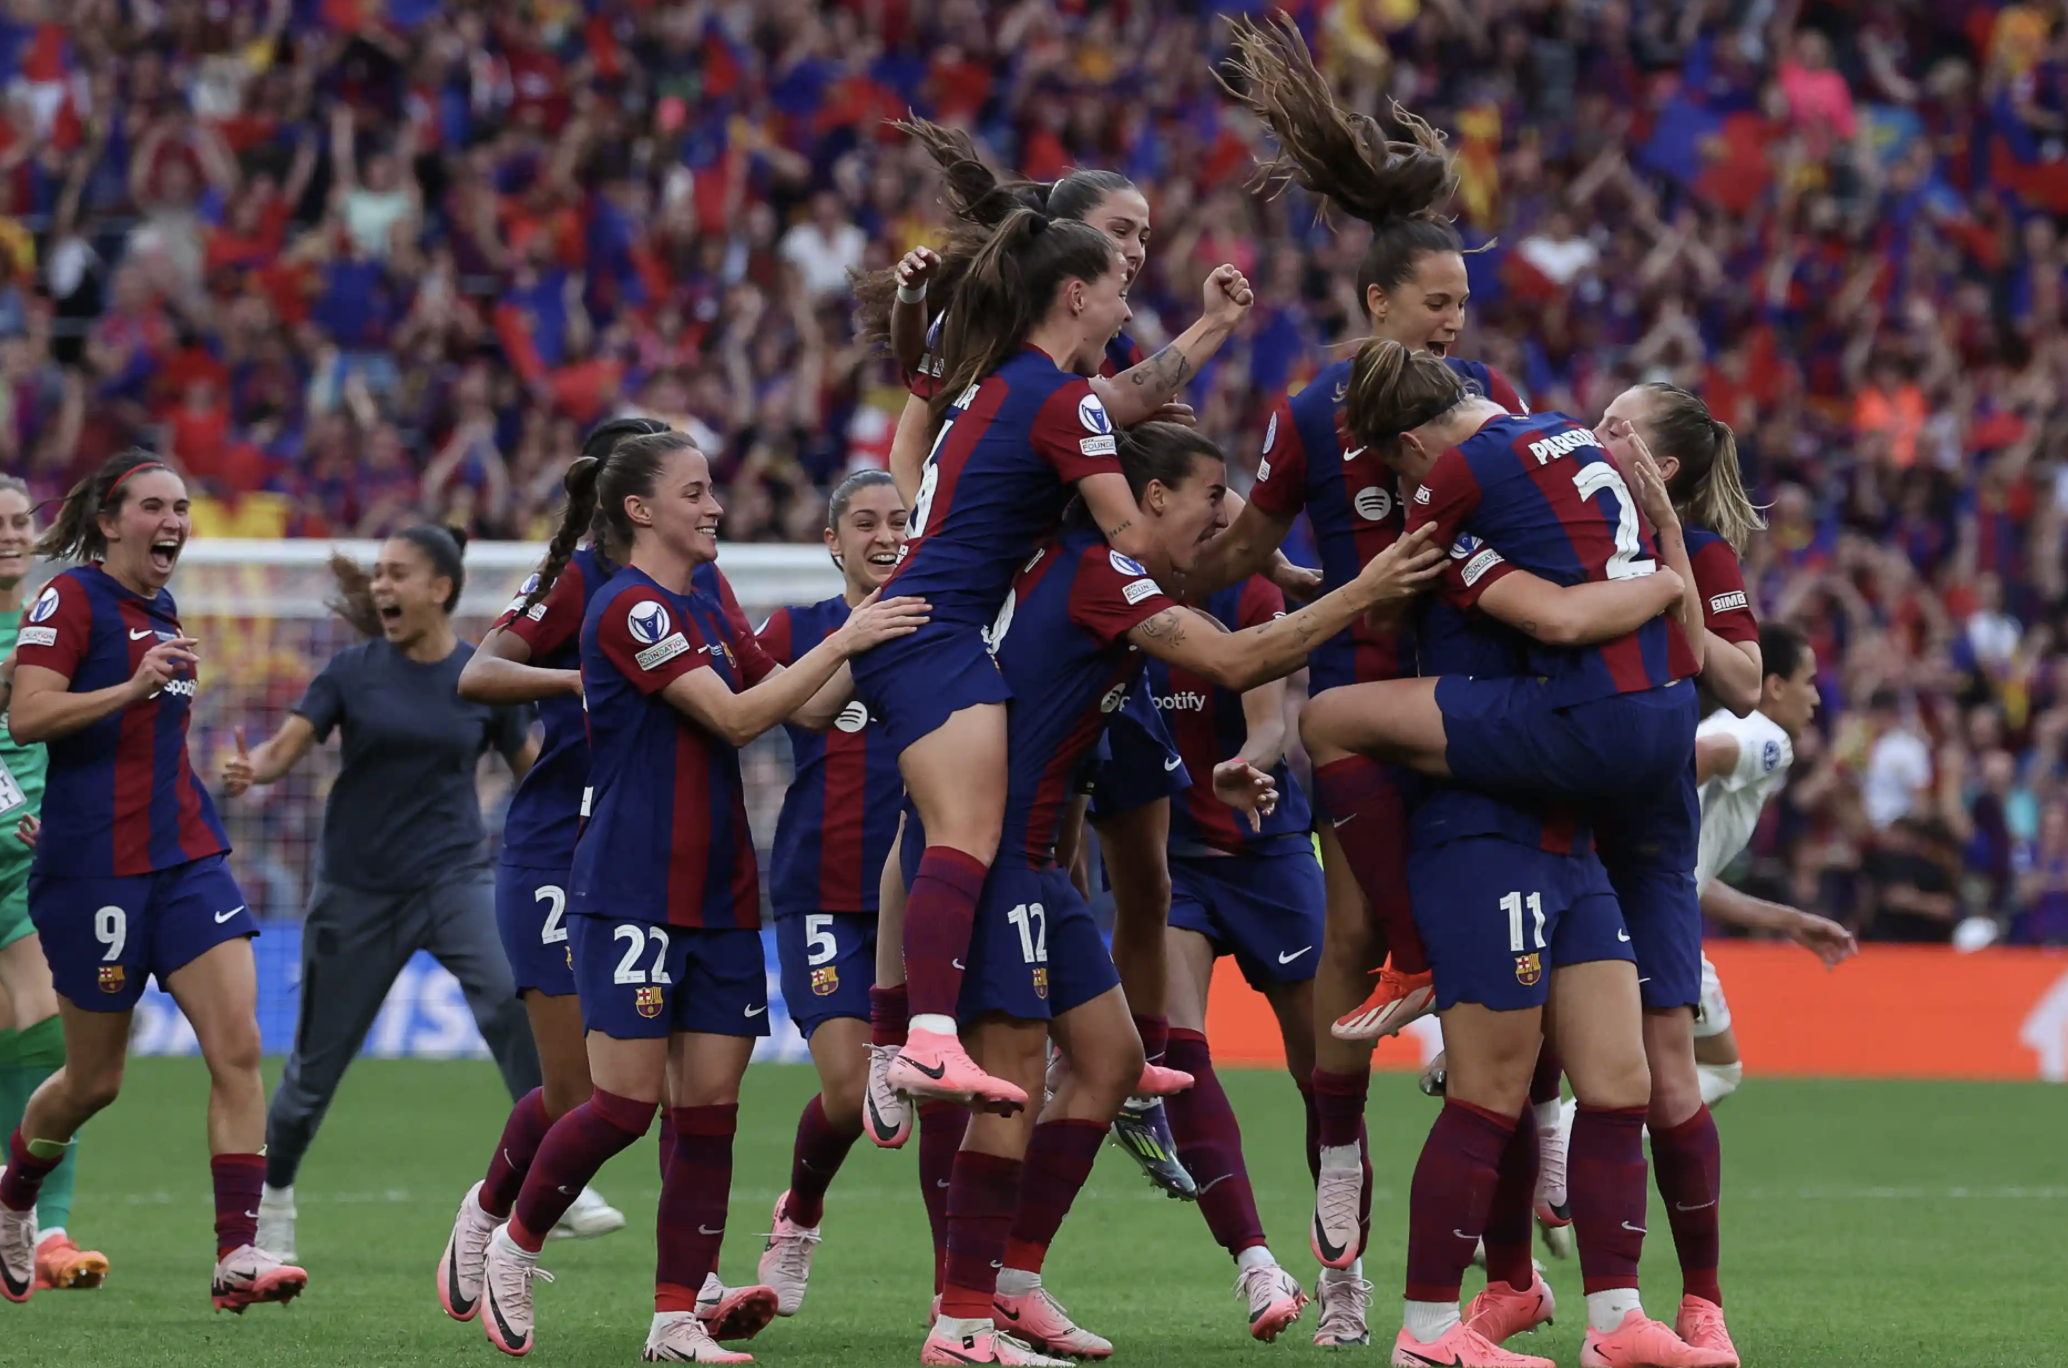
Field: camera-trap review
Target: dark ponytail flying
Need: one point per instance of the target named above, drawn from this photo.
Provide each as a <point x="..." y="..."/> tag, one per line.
<point x="444" y="547"/>
<point x="580" y="509"/>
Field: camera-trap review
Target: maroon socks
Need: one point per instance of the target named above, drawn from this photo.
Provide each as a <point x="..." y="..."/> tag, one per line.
<point x="889" y="1013"/>
<point x="1687" y="1163"/>
<point x="691" y="1224"/>
<point x="26" y="1172"/>
<point x="940" y="910"/>
<point x="522" y="1133"/>
<point x="1364" y="801"/>
<point x="1605" y="1183"/>
<point x="982" y="1197"/>
<point x="941" y="1128"/>
<point x="1155" y="1034"/>
<point x="1059" y="1159"/>
<point x="1510" y="1217"/>
<point x="239" y="1179"/>
<point x="579" y="1144"/>
<point x="821" y="1148"/>
<point x="1448" y="1202"/>
<point x="1210" y="1146"/>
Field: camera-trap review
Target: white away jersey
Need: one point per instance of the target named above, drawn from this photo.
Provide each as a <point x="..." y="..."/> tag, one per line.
<point x="1731" y="801"/>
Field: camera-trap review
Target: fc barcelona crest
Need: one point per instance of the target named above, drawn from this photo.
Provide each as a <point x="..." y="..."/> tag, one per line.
<point x="113" y="978"/>
<point x="648" y="1001"/>
<point x="1041" y="981"/>
<point x="1529" y="968"/>
<point x="826" y="981"/>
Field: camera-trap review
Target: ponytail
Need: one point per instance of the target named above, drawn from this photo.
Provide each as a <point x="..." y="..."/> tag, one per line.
<point x="1708" y="490"/>
<point x="354" y="599"/>
<point x="1394" y="389"/>
<point x="580" y="510"/>
<point x="1165" y="453"/>
<point x="75" y="533"/>
<point x="444" y="547"/>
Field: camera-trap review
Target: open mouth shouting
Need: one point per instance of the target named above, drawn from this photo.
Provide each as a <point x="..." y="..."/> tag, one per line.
<point x="165" y="553"/>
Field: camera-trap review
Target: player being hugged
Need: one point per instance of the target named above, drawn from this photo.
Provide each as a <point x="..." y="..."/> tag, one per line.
<point x="664" y="897"/>
<point x="1070" y="641"/>
<point x="532" y="655"/>
<point x="1016" y="426"/>
<point x="131" y="877"/>
<point x="839" y="820"/>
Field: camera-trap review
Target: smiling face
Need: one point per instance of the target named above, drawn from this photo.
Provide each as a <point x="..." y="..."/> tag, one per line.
<point x="1123" y="216"/>
<point x="146" y="534"/>
<point x="1185" y="516"/>
<point x="17" y="537"/>
<point x="870" y="534"/>
<point x="682" y="514"/>
<point x="408" y="592"/>
<point x="1099" y="310"/>
<point x="1427" y="310"/>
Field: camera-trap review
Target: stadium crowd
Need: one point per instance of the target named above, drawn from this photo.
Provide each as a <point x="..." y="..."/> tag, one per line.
<point x="354" y="263"/>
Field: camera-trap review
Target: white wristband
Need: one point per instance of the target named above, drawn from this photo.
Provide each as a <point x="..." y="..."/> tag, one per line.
<point x="908" y="295"/>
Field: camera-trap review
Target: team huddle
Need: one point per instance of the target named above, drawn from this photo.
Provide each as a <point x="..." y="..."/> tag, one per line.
<point x="1055" y="613"/>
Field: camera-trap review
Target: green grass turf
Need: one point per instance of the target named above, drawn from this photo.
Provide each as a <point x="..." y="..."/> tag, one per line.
<point x="1864" y="1223"/>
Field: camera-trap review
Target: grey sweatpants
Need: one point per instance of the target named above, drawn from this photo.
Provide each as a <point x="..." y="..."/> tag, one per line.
<point x="354" y="945"/>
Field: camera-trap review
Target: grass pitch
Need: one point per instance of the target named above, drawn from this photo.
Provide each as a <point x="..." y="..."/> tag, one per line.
<point x="1864" y="1223"/>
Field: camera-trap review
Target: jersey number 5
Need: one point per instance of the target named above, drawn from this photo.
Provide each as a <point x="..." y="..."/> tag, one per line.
<point x="1622" y="563"/>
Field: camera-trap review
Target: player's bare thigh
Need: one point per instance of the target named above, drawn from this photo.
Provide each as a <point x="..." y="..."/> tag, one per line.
<point x="1395" y="720"/>
<point x="956" y="777"/>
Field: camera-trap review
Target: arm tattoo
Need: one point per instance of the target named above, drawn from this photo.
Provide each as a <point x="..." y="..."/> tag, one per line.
<point x="1167" y="625"/>
<point x="1118" y="528"/>
<point x="1166" y="370"/>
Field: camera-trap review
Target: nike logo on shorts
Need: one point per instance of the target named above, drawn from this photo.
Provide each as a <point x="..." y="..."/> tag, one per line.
<point x="1623" y="936"/>
<point x="756" y="1011"/>
<point x="1173" y="763"/>
<point x="1284" y="958"/>
<point x="222" y="917"/>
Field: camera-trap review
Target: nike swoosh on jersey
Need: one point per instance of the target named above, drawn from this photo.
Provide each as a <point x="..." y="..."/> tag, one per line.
<point x="139" y="633"/>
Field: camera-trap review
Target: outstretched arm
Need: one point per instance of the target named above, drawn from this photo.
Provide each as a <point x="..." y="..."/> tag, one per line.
<point x="1136" y="393"/>
<point x="276" y="755"/>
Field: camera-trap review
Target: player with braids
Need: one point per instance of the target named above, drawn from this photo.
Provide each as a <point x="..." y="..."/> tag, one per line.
<point x="130" y="879"/>
<point x="404" y="862"/>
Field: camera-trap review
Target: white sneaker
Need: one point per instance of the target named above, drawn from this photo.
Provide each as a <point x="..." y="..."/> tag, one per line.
<point x="886" y="1112"/>
<point x="679" y="1337"/>
<point x="276" y="1215"/>
<point x="249" y="1275"/>
<point x="1337" y="1195"/>
<point x="1275" y="1299"/>
<point x="17" y="1252"/>
<point x="466" y="1251"/>
<point x="786" y="1260"/>
<point x="589" y="1217"/>
<point x="1344" y="1299"/>
<point x="506" y="1278"/>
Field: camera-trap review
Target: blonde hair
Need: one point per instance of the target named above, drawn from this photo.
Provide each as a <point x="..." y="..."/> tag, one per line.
<point x="1708" y="490"/>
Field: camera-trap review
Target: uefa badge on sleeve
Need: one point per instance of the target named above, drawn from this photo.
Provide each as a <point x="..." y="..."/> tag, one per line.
<point x="1529" y="968"/>
<point x="1041" y="981"/>
<point x="113" y="978"/>
<point x="825" y="981"/>
<point x="648" y="1001"/>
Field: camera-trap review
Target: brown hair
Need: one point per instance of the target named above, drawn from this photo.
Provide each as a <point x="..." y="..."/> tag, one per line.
<point x="1164" y="452"/>
<point x="1394" y="389"/>
<point x="1396" y="186"/>
<point x="75" y="534"/>
<point x="977" y="201"/>
<point x="596" y="492"/>
<point x="1708" y="490"/>
<point x="1007" y="291"/>
<point x="580" y="511"/>
<point x="444" y="547"/>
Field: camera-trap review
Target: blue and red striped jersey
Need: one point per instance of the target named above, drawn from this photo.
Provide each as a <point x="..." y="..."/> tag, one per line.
<point x="1061" y="642"/>
<point x="1207" y="723"/>
<point x="840" y="814"/>
<point x="122" y="798"/>
<point x="1542" y="494"/>
<point x="666" y="836"/>
<point x="1122" y="353"/>
<point x="1460" y="641"/>
<point x="1351" y="498"/>
<point x="546" y="811"/>
<point x="997" y="482"/>
<point x="1726" y="607"/>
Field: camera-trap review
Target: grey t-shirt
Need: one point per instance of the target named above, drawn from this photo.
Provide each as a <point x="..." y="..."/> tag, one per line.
<point x="404" y="812"/>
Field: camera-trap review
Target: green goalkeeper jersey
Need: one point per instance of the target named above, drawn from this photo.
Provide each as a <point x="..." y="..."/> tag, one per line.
<point x="21" y="769"/>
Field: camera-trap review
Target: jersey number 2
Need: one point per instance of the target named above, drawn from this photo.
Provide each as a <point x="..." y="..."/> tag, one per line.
<point x="554" y="930"/>
<point x="637" y="938"/>
<point x="1622" y="563"/>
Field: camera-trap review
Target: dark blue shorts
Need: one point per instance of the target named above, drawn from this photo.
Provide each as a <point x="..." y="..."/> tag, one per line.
<point x="531" y="916"/>
<point x="1035" y="951"/>
<point x="1266" y="910"/>
<point x="1649" y="847"/>
<point x="1139" y="763"/>
<point x="914" y="684"/>
<point x="104" y="937"/>
<point x="642" y="981"/>
<point x="1504" y="738"/>
<point x="1497" y="918"/>
<point x="829" y="965"/>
